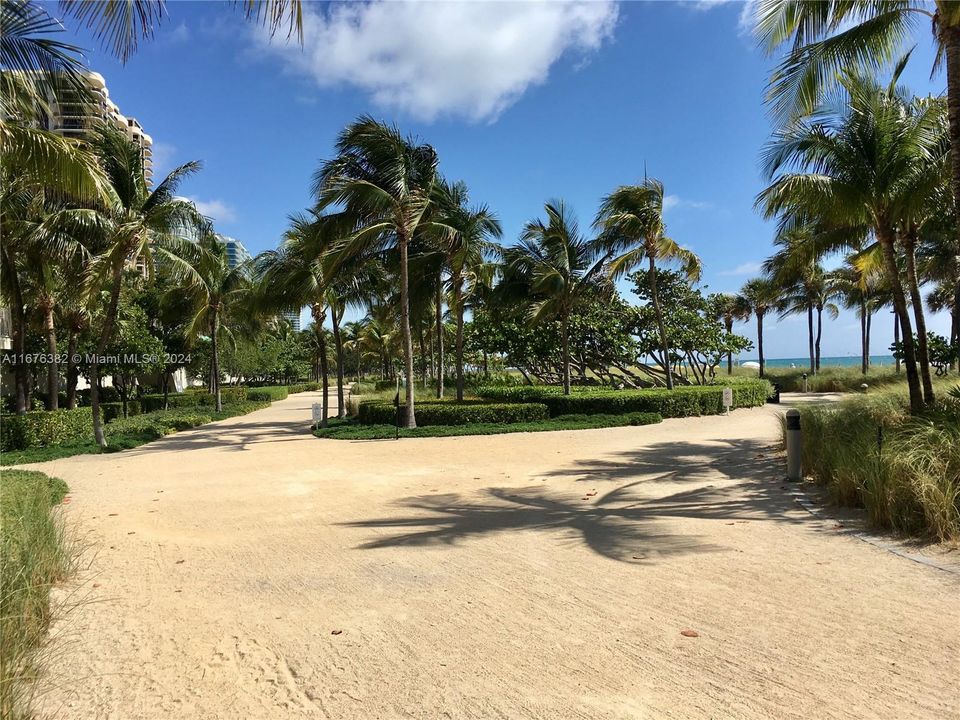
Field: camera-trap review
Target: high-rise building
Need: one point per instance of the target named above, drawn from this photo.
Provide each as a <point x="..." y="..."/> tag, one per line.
<point x="292" y="317"/>
<point x="73" y="116"/>
<point x="236" y="252"/>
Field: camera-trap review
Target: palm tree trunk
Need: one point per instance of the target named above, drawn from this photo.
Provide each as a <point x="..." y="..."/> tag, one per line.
<point x="896" y="336"/>
<point x="324" y="382"/>
<point x="215" y="359"/>
<point x="72" y="370"/>
<point x="458" y="309"/>
<point x="955" y="327"/>
<point x="565" y="332"/>
<point x="106" y="334"/>
<point x="664" y="344"/>
<point x="863" y="338"/>
<point x="440" y="358"/>
<point x="916" y="300"/>
<point x="338" y="347"/>
<point x="950" y="38"/>
<point x="411" y="419"/>
<point x="728" y="324"/>
<point x="19" y="339"/>
<point x="421" y="341"/>
<point x="886" y="237"/>
<point x="819" y="335"/>
<point x="866" y="345"/>
<point x="53" y="372"/>
<point x="760" y="341"/>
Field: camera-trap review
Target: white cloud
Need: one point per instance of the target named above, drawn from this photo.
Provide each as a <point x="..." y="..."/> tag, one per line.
<point x="162" y="158"/>
<point x="671" y="202"/>
<point x="180" y="34"/>
<point x="466" y="59"/>
<point x="747" y="268"/>
<point x="215" y="209"/>
<point x="747" y="11"/>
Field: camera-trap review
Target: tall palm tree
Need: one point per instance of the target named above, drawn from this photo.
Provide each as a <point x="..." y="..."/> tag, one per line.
<point x="860" y="290"/>
<point x="759" y="296"/>
<point x="385" y="181"/>
<point x="466" y="246"/>
<point x="352" y="342"/>
<point x="858" y="165"/>
<point x="633" y="230"/>
<point x="555" y="267"/>
<point x="835" y="36"/>
<point x="139" y="225"/>
<point x="216" y="291"/>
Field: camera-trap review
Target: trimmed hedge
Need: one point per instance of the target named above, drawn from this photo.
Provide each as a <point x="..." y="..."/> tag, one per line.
<point x="441" y="412"/>
<point x="39" y="429"/>
<point x="193" y="398"/>
<point x="113" y="410"/>
<point x="304" y="387"/>
<point x="267" y="393"/>
<point x="680" y="402"/>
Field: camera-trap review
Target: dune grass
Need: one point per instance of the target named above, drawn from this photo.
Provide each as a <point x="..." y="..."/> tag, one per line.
<point x="35" y="556"/>
<point x="351" y="430"/>
<point x="904" y="470"/>
<point x="829" y="379"/>
<point x="131" y="432"/>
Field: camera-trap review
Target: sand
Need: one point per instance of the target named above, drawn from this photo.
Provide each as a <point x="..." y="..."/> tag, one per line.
<point x="246" y="569"/>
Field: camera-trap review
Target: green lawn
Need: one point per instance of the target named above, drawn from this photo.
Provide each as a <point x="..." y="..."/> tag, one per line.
<point x="126" y="433"/>
<point x="350" y="430"/>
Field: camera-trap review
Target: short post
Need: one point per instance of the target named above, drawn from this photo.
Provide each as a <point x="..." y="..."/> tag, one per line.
<point x="317" y="414"/>
<point x="794" y="445"/>
<point x="727" y="398"/>
<point x="804" y="382"/>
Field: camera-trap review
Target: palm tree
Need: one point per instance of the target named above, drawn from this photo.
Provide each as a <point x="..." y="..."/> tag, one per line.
<point x="859" y="167"/>
<point x="860" y="290"/>
<point x="632" y="226"/>
<point x="555" y="266"/>
<point x="830" y="38"/>
<point x="384" y="181"/>
<point x="216" y="291"/>
<point x="295" y="275"/>
<point x="729" y="308"/>
<point x="465" y="245"/>
<point x="759" y="296"/>
<point x="353" y="335"/>
<point x="139" y="225"/>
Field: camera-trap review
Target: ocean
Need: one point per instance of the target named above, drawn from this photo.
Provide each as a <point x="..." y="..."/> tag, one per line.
<point x="833" y="361"/>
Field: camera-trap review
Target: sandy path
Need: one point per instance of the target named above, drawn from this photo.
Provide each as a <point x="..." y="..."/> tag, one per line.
<point x="482" y="578"/>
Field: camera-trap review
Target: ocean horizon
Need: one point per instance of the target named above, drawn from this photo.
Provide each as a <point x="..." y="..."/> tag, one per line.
<point x="825" y="361"/>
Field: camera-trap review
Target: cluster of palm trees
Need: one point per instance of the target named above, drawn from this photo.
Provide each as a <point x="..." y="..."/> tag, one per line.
<point x="863" y="167"/>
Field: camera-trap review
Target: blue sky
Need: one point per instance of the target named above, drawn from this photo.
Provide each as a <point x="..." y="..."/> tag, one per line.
<point x="523" y="101"/>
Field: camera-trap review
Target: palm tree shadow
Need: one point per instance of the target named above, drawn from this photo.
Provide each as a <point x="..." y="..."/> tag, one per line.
<point x="628" y="523"/>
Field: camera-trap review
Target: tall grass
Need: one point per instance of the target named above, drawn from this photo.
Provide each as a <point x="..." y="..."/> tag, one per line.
<point x="829" y="379"/>
<point x="34" y="555"/>
<point x="869" y="452"/>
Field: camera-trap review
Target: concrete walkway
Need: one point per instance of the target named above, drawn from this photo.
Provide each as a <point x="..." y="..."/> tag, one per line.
<point x="246" y="569"/>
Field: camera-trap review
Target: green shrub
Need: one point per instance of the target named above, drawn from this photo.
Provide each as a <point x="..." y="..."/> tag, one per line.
<point x="904" y="471"/>
<point x="39" y="429"/>
<point x="304" y="387"/>
<point x="112" y="411"/>
<point x="679" y="402"/>
<point x="268" y="392"/>
<point x="363" y="388"/>
<point x="440" y="412"/>
<point x="33" y="556"/>
<point x="193" y="397"/>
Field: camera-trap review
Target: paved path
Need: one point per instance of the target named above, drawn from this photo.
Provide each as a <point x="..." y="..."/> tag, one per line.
<point x="248" y="570"/>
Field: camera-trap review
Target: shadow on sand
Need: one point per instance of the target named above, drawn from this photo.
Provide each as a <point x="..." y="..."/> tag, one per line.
<point x="624" y="522"/>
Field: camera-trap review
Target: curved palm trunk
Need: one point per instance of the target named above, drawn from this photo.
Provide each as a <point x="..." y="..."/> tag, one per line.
<point x="105" y="334"/>
<point x="760" y="341"/>
<point x="458" y="308"/>
<point x="819" y="335"/>
<point x="664" y="344"/>
<point x="338" y="347"/>
<point x="885" y="237"/>
<point x="916" y="300"/>
<point x="53" y="371"/>
<point x="565" y="333"/>
<point x="410" y="421"/>
<point x="439" y="319"/>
